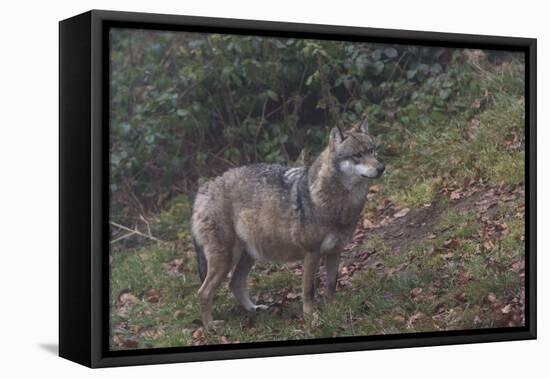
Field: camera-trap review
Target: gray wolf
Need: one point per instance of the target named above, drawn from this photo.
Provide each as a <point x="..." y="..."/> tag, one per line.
<point x="269" y="212"/>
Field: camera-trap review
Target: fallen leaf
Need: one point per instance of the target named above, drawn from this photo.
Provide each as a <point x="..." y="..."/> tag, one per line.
<point x="292" y="295"/>
<point x="489" y="245"/>
<point x="516" y="320"/>
<point x="198" y="337"/>
<point x="472" y="128"/>
<point x="198" y="333"/>
<point x="451" y="243"/>
<point x="175" y="268"/>
<point x="315" y="320"/>
<point x="368" y="224"/>
<point x="152" y="333"/>
<point x="125" y="301"/>
<point x="447" y="256"/>
<point x="501" y="226"/>
<point x="375" y="188"/>
<point x="401" y="213"/>
<point x="506" y="309"/>
<point x="224" y="340"/>
<point x="414" y="319"/>
<point x="508" y="198"/>
<point x="399" y="319"/>
<point x="391" y="150"/>
<point x="124" y="343"/>
<point x="416" y="291"/>
<point x="151" y="295"/>
<point x="126" y="298"/>
<point x="455" y="195"/>
<point x="179" y="314"/>
<point x="383" y="203"/>
<point x="461" y="297"/>
<point x="492" y="297"/>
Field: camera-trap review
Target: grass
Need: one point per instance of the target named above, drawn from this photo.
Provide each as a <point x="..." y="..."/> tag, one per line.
<point x="423" y="192"/>
<point x="373" y="303"/>
<point x="453" y="279"/>
<point x="470" y="145"/>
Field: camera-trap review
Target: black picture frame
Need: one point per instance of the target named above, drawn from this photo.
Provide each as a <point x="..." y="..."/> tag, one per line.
<point x="83" y="194"/>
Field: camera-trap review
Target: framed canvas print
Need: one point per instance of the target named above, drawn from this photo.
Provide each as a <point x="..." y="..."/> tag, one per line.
<point x="233" y="188"/>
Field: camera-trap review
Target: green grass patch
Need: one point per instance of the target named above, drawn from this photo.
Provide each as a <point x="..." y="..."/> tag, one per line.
<point x="513" y="241"/>
<point x="457" y="224"/>
<point x="374" y="243"/>
<point x="420" y="193"/>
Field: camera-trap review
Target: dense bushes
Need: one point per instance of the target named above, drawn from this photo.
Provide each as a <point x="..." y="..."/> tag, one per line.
<point x="186" y="106"/>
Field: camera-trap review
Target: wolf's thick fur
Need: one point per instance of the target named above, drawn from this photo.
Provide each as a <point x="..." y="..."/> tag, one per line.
<point x="276" y="213"/>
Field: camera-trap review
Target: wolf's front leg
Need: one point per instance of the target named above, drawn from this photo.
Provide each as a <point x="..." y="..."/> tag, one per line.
<point x="332" y="261"/>
<point x="311" y="264"/>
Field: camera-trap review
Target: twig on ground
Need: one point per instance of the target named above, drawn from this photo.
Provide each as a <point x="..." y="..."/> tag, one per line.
<point x="134" y="231"/>
<point x="147" y="224"/>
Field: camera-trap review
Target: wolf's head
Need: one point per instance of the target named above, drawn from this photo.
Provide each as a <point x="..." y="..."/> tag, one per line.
<point x="353" y="155"/>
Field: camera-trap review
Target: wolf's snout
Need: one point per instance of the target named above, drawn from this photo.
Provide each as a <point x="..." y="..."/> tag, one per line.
<point x="380" y="168"/>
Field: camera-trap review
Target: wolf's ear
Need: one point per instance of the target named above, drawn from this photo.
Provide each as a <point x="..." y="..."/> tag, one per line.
<point x="335" y="138"/>
<point x="364" y="126"/>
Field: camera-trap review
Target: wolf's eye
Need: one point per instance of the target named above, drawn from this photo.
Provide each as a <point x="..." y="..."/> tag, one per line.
<point x="356" y="156"/>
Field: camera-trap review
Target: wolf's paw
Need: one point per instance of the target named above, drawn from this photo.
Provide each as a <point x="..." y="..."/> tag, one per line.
<point x="261" y="308"/>
<point x="216" y="326"/>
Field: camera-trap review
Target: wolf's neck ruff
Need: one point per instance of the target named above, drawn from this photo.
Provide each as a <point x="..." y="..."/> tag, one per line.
<point x="333" y="199"/>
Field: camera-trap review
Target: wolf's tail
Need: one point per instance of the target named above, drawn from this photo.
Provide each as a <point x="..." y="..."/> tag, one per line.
<point x="201" y="259"/>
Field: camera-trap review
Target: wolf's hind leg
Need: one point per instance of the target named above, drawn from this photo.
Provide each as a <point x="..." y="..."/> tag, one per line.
<point x="219" y="265"/>
<point x="238" y="283"/>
